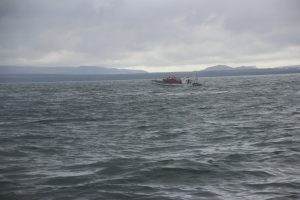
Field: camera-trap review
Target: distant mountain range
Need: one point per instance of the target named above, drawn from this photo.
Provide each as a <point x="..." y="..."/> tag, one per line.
<point x="224" y="70"/>
<point x="94" y="70"/>
<point x="225" y="67"/>
<point x="82" y="70"/>
<point x="10" y="74"/>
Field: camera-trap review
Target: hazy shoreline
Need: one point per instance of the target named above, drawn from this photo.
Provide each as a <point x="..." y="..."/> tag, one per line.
<point x="17" y="78"/>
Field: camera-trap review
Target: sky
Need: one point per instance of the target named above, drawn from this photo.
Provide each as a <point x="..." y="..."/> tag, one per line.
<point x="152" y="35"/>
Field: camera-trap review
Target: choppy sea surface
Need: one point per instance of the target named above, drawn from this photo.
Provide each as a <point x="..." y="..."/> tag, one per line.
<point x="232" y="138"/>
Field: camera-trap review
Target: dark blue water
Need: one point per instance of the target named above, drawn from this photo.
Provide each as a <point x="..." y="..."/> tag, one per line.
<point x="233" y="138"/>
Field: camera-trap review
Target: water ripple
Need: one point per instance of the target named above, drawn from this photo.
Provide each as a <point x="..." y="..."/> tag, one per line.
<point x="234" y="138"/>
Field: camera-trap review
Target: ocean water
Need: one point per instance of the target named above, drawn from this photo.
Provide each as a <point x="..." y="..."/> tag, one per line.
<point x="232" y="138"/>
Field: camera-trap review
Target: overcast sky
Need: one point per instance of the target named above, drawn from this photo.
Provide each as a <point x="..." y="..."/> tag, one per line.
<point x="154" y="35"/>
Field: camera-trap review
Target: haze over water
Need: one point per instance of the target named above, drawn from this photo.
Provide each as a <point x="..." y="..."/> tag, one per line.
<point x="233" y="138"/>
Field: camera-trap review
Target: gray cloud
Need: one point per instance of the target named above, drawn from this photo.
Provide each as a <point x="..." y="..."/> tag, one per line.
<point x="150" y="34"/>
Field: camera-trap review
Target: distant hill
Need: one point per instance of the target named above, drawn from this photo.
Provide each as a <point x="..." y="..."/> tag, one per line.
<point x="82" y="70"/>
<point x="225" y="67"/>
<point x="291" y="67"/>
<point x="224" y="70"/>
<point x="218" y="68"/>
<point x="245" y="67"/>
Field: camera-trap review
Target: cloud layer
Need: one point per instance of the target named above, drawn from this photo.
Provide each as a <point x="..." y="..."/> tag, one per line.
<point x="150" y="34"/>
